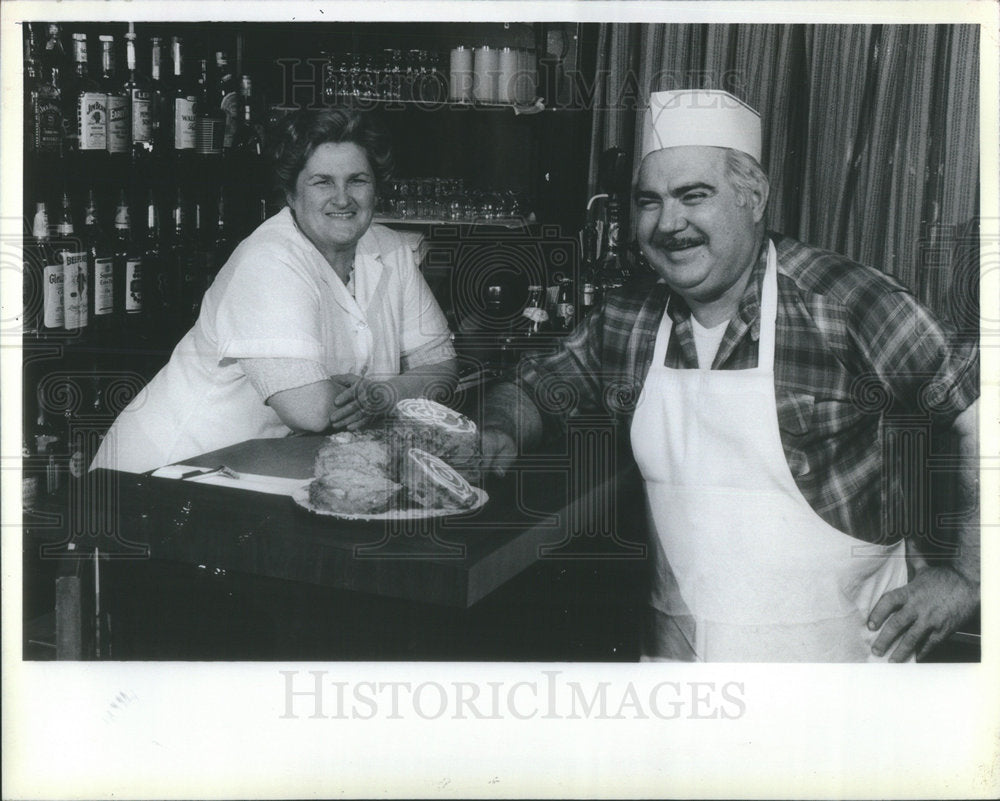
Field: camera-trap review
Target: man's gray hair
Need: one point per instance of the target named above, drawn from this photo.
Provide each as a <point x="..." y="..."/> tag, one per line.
<point x="746" y="175"/>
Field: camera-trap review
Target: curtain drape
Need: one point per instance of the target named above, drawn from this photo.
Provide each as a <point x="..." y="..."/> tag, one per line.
<point x="871" y="133"/>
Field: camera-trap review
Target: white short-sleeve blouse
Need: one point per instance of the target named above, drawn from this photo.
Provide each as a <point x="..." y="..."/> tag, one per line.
<point x="277" y="296"/>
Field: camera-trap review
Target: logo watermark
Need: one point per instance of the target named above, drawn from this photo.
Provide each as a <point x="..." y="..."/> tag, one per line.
<point x="320" y="694"/>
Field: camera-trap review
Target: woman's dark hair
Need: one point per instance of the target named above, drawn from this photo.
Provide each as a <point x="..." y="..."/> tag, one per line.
<point x="297" y="135"/>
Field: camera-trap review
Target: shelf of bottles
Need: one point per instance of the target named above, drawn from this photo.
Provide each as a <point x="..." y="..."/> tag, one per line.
<point x="142" y="170"/>
<point x="137" y="185"/>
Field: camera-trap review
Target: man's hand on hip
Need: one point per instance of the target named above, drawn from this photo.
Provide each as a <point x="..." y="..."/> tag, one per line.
<point x="922" y="614"/>
<point x="499" y="451"/>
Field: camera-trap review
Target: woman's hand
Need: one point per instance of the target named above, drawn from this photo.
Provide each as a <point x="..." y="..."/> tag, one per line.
<point x="358" y="402"/>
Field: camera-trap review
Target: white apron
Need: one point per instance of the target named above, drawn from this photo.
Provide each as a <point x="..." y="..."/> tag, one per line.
<point x="752" y="573"/>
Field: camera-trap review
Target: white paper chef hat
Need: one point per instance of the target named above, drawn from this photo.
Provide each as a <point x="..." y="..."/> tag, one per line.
<point x="700" y="117"/>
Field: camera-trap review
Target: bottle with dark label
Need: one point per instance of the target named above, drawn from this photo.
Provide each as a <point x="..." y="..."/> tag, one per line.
<point x="611" y="272"/>
<point x="119" y="125"/>
<point x="222" y="244"/>
<point x="211" y="127"/>
<point x="46" y="118"/>
<point x="536" y="320"/>
<point x="50" y="447"/>
<point x="157" y="294"/>
<point x="90" y="102"/>
<point x="227" y="97"/>
<point x="54" y="57"/>
<point x="140" y="101"/>
<point x="182" y="262"/>
<point x="565" y="306"/>
<point x="590" y="294"/>
<point x="249" y="137"/>
<point x="100" y="270"/>
<point x="161" y="99"/>
<point x="127" y="270"/>
<point x="42" y="301"/>
<point x="72" y="257"/>
<point x="43" y="101"/>
<point x="185" y="102"/>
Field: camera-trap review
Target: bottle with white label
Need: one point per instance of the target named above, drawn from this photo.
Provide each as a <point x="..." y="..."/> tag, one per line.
<point x="72" y="257"/>
<point x="90" y="103"/>
<point x="128" y="270"/>
<point x="43" y="301"/>
<point x="100" y="270"/>
<point x="140" y="101"/>
<point x="119" y="124"/>
<point x="185" y="93"/>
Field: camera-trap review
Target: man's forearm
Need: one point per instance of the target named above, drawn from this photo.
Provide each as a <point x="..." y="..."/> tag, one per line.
<point x="428" y="380"/>
<point x="509" y="409"/>
<point x="967" y="557"/>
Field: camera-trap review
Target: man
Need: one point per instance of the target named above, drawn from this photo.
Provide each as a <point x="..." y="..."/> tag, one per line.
<point x="765" y="372"/>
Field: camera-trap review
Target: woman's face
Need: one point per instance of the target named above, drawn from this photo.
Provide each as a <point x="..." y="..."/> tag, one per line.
<point x="334" y="197"/>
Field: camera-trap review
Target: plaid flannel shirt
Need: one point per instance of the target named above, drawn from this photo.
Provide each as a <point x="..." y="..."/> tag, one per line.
<point x="856" y="355"/>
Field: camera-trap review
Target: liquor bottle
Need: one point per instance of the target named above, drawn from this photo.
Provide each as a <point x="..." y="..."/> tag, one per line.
<point x="589" y="295"/>
<point x="183" y="264"/>
<point x="119" y="124"/>
<point x="127" y="270"/>
<point x="157" y="290"/>
<point x="610" y="272"/>
<point x="249" y="138"/>
<point x="90" y="103"/>
<point x="41" y="301"/>
<point x="161" y="107"/>
<point x="227" y="97"/>
<point x="185" y="102"/>
<point x="211" y="125"/>
<point x="50" y="447"/>
<point x="46" y="115"/>
<point x="202" y="240"/>
<point x="536" y="317"/>
<point x="52" y="319"/>
<point x="222" y="245"/>
<point x="72" y="257"/>
<point x="565" y="306"/>
<point x="33" y="77"/>
<point x="100" y="270"/>
<point x="54" y="54"/>
<point x="59" y="68"/>
<point x="140" y="101"/>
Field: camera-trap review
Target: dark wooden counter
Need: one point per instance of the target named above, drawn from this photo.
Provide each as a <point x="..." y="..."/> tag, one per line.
<point x="542" y="513"/>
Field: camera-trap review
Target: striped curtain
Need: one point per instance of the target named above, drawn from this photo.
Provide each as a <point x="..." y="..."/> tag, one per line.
<point x="871" y="133"/>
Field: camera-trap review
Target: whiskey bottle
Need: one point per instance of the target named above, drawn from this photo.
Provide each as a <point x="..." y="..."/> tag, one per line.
<point x="162" y="109"/>
<point x="128" y="271"/>
<point x="227" y="97"/>
<point x="138" y="92"/>
<point x="157" y="288"/>
<point x="46" y="115"/>
<point x="183" y="264"/>
<point x="100" y="270"/>
<point x="185" y="102"/>
<point x="89" y="103"/>
<point x="222" y="245"/>
<point x="72" y="257"/>
<point x="42" y="281"/>
<point x="59" y="67"/>
<point x="211" y="128"/>
<point x="119" y="124"/>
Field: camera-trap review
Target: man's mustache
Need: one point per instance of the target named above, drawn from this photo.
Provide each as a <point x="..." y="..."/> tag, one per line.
<point x="678" y="242"/>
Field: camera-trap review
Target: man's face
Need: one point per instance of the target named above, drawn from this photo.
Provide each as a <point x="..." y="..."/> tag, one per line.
<point x="692" y="226"/>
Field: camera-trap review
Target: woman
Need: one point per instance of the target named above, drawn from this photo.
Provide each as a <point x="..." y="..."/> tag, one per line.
<point x="315" y="312"/>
